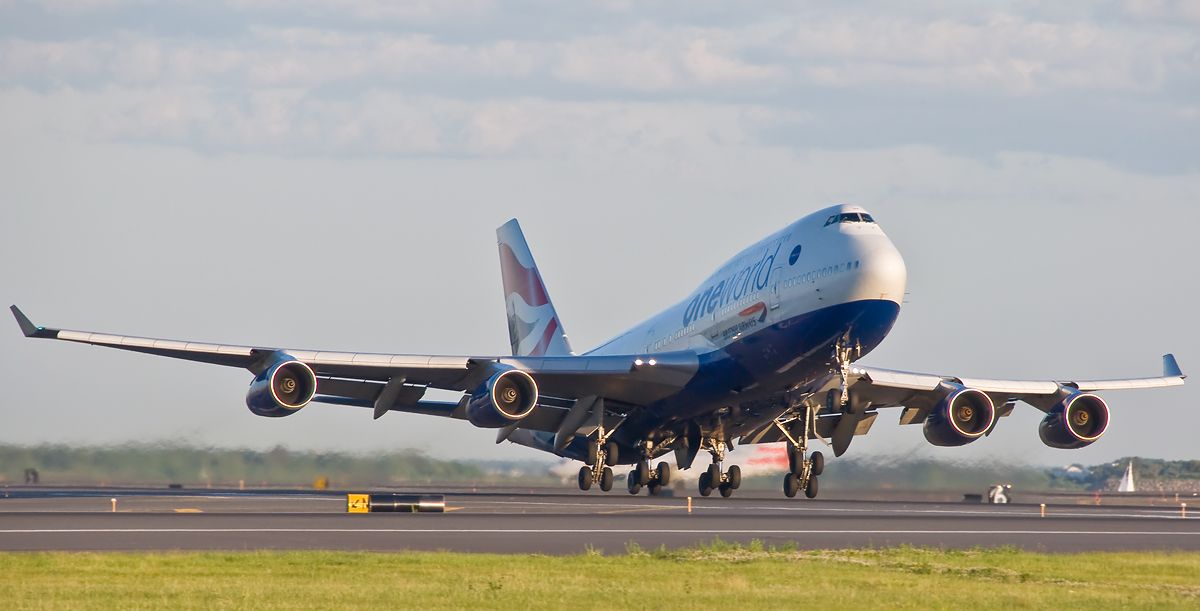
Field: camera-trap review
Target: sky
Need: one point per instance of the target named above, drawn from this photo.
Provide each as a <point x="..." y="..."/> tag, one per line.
<point x="329" y="174"/>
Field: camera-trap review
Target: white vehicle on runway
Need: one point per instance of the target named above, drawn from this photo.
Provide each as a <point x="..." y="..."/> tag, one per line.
<point x="763" y="351"/>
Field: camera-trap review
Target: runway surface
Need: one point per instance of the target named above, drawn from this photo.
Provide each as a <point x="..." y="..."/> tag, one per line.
<point x="561" y="522"/>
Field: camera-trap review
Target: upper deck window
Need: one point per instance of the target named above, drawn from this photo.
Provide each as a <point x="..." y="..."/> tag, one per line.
<point x="849" y="217"/>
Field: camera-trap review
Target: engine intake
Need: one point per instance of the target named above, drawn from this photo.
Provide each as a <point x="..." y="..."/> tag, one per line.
<point x="1078" y="421"/>
<point x="506" y="398"/>
<point x="960" y="418"/>
<point x="282" y="389"/>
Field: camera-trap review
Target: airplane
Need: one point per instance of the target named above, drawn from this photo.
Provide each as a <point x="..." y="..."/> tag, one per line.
<point x="764" y="351"/>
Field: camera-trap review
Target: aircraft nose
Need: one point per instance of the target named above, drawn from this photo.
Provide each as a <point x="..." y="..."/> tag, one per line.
<point x="881" y="273"/>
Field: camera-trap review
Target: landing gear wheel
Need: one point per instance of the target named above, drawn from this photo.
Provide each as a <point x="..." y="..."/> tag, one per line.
<point x="613" y="453"/>
<point x="593" y="453"/>
<point x="642" y="472"/>
<point x="734" y="477"/>
<point x="705" y="487"/>
<point x="795" y="459"/>
<point x="726" y="490"/>
<point x="791" y="485"/>
<point x="818" y="463"/>
<point x="810" y="490"/>
<point x="654" y="488"/>
<point x="664" y="474"/>
<point x="606" y="479"/>
<point x="585" y="478"/>
<point x="714" y="475"/>
<point x="632" y="483"/>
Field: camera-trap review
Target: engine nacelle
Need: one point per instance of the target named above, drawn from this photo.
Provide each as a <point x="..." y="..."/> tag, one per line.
<point x="960" y="418"/>
<point x="282" y="389"/>
<point x="506" y="398"/>
<point x="1077" y="421"/>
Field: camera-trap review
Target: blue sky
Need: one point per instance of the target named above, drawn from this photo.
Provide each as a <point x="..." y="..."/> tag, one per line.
<point x="330" y="175"/>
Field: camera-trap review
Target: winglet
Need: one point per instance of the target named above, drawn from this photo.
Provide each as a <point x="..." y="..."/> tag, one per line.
<point x="27" y="326"/>
<point x="1171" y="367"/>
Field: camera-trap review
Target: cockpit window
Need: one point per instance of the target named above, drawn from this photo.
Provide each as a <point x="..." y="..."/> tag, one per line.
<point x="849" y="217"/>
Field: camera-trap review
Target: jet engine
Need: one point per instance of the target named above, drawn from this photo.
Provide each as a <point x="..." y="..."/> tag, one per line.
<point x="960" y="418"/>
<point x="506" y="398"/>
<point x="1077" y="421"/>
<point x="282" y="389"/>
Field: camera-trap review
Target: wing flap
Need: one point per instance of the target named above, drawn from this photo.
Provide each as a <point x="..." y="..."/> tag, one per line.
<point x="631" y="379"/>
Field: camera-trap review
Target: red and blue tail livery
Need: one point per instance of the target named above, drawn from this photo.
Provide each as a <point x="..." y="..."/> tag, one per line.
<point x="534" y="328"/>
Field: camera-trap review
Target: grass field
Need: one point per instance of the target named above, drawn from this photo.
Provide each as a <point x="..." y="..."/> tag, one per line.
<point x="717" y="575"/>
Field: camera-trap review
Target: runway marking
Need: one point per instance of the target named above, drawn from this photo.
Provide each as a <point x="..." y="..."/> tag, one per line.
<point x="636" y="509"/>
<point x="590" y="531"/>
<point x="1033" y="511"/>
<point x="188" y="510"/>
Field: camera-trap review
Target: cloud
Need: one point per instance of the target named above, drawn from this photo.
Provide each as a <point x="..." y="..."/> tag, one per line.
<point x="1114" y="80"/>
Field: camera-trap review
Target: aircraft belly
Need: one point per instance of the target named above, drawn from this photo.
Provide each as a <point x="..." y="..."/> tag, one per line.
<point x="787" y="352"/>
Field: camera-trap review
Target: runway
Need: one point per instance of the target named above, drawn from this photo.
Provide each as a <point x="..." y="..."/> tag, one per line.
<point x="559" y="522"/>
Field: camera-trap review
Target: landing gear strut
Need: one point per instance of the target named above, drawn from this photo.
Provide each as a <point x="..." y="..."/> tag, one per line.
<point x="643" y="476"/>
<point x="653" y="479"/>
<point x="714" y="479"/>
<point x="601" y="452"/>
<point x="803" y="467"/>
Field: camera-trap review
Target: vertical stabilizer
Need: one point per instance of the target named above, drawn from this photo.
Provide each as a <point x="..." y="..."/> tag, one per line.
<point x="534" y="328"/>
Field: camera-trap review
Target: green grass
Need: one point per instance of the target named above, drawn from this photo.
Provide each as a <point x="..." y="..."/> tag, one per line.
<point x="716" y="576"/>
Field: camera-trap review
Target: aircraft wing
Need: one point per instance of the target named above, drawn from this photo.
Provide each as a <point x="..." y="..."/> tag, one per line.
<point x="871" y="388"/>
<point x="887" y="387"/>
<point x="356" y="378"/>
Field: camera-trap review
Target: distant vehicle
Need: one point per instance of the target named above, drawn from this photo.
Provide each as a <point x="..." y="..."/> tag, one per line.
<point x="763" y="351"/>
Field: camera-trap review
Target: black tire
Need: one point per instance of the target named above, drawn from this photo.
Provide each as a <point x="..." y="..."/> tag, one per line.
<point x="714" y="475"/>
<point x="585" y="478"/>
<point x="631" y="483"/>
<point x="614" y="453"/>
<point x="593" y="452"/>
<point x="642" y="472"/>
<point x="606" y="479"/>
<point x="726" y="490"/>
<point x="664" y="474"/>
<point x="818" y="463"/>
<point x="810" y="490"/>
<point x="654" y="488"/>
<point x="705" y="488"/>
<point x="791" y="485"/>
<point x="795" y="459"/>
<point x="734" y="476"/>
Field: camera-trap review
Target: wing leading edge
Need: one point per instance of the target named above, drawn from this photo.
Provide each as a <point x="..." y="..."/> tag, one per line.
<point x="359" y="378"/>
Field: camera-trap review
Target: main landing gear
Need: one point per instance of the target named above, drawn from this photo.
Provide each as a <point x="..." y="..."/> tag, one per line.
<point x="803" y="468"/>
<point x="803" y="473"/>
<point x="596" y="471"/>
<point x="714" y="479"/>
<point x="653" y="479"/>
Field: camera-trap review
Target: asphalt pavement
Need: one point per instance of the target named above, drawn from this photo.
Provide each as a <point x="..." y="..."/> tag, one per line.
<point x="561" y="522"/>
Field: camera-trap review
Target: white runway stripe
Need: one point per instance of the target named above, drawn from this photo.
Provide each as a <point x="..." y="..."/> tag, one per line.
<point x="588" y="531"/>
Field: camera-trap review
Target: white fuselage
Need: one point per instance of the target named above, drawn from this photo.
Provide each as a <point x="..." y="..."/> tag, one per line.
<point x="807" y="266"/>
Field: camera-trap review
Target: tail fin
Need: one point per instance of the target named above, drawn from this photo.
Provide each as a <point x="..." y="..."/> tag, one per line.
<point x="534" y="328"/>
